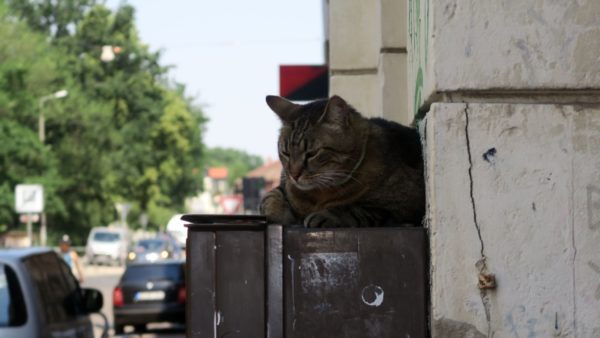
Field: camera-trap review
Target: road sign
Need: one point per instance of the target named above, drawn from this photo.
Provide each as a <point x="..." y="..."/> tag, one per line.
<point x="29" y="198"/>
<point x="33" y="218"/>
<point x="231" y="203"/>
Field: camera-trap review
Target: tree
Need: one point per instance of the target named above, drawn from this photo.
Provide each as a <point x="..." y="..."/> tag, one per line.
<point x="124" y="133"/>
<point x="24" y="160"/>
<point x="27" y="70"/>
<point x="52" y="18"/>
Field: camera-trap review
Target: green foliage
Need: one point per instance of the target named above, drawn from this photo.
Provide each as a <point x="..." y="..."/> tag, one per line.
<point x="238" y="162"/>
<point x="123" y="133"/>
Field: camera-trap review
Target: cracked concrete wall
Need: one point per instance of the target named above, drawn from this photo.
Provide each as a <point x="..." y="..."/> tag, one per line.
<point x="514" y="191"/>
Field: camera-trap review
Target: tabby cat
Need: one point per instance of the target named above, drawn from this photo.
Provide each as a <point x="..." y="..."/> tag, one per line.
<point x="343" y="170"/>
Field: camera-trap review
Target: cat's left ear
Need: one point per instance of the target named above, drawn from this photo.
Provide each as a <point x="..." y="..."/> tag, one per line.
<point x="282" y="107"/>
<point x="336" y="112"/>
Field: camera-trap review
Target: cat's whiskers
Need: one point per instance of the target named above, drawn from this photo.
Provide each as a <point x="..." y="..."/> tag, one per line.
<point x="332" y="178"/>
<point x="344" y="174"/>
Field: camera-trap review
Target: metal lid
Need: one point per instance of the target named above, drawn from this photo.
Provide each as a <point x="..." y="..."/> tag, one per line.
<point x="224" y="222"/>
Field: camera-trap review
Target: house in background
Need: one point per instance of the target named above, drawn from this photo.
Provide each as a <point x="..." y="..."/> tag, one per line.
<point x="270" y="172"/>
<point x="215" y="186"/>
<point x="15" y="239"/>
<point x="258" y="182"/>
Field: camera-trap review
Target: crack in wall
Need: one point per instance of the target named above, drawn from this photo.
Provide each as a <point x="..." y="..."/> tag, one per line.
<point x="481" y="263"/>
<point x="573" y="240"/>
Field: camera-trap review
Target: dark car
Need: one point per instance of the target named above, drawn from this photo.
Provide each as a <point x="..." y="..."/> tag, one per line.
<point x="149" y="293"/>
<point x="155" y="249"/>
<point x="40" y="297"/>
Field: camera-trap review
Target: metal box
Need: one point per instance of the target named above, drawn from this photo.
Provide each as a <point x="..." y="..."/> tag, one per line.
<point x="355" y="283"/>
<point x="246" y="278"/>
<point x="225" y="276"/>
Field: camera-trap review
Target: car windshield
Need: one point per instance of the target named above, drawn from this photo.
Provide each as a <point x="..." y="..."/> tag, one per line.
<point x="150" y="244"/>
<point x="143" y="273"/>
<point x="106" y="236"/>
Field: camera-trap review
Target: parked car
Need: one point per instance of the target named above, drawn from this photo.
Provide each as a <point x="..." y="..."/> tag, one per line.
<point x="148" y="293"/>
<point x="161" y="247"/>
<point x="40" y="297"/>
<point x="107" y="245"/>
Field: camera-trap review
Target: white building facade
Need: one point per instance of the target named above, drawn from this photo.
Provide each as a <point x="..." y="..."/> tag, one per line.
<point x="507" y="95"/>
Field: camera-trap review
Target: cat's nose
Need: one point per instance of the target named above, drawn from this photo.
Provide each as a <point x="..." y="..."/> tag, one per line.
<point x="295" y="176"/>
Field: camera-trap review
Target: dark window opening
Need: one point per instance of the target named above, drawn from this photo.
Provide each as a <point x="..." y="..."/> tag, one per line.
<point x="59" y="293"/>
<point x="12" y="305"/>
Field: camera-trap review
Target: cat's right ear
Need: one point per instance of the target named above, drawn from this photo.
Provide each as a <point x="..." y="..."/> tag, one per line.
<point x="282" y="107"/>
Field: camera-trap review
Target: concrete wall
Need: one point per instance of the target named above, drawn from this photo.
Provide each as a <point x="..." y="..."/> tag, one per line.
<point x="516" y="186"/>
<point x="509" y="50"/>
<point x="512" y="144"/>
<point x="367" y="56"/>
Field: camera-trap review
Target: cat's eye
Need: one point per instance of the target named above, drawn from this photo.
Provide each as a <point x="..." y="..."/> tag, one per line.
<point x="312" y="154"/>
<point x="285" y="154"/>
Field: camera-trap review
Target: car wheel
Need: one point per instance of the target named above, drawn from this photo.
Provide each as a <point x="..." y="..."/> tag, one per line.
<point x="140" y="328"/>
<point x="119" y="329"/>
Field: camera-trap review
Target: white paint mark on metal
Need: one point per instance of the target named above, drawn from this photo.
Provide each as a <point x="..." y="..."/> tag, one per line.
<point x="328" y="271"/>
<point x="292" y="261"/>
<point x="219" y="318"/>
<point x="372" y="295"/>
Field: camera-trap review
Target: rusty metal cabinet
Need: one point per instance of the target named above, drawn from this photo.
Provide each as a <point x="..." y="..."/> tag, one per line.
<point x="225" y="276"/>
<point x="249" y="279"/>
<point x="355" y="283"/>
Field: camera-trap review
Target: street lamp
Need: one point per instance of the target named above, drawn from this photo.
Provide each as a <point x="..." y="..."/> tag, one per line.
<point x="109" y="52"/>
<point x="41" y="121"/>
<point x="42" y="135"/>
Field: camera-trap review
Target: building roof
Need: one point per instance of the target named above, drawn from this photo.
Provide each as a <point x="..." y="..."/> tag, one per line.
<point x="217" y="173"/>
<point x="270" y="171"/>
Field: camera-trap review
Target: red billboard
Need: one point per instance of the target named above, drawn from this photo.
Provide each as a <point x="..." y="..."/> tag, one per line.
<point x="303" y="82"/>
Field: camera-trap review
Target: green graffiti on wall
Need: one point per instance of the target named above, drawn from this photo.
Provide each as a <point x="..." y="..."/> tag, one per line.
<point x="418" y="31"/>
<point x="418" y="99"/>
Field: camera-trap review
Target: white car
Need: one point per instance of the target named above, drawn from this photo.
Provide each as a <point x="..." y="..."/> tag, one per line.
<point x="108" y="245"/>
<point x="176" y="227"/>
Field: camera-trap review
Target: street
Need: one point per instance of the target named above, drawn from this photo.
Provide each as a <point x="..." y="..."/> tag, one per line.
<point x="104" y="278"/>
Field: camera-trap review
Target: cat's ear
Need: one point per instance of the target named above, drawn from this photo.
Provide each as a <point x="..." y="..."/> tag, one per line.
<point x="336" y="112"/>
<point x="282" y="107"/>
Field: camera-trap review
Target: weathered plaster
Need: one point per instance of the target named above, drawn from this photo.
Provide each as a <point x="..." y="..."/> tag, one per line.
<point x="498" y="48"/>
<point x="516" y="187"/>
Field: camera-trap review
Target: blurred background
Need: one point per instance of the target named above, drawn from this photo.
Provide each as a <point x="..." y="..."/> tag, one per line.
<point x="126" y="113"/>
<point x="117" y="117"/>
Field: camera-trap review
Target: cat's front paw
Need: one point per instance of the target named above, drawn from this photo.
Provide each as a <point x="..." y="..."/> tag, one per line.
<point x="322" y="219"/>
<point x="276" y="208"/>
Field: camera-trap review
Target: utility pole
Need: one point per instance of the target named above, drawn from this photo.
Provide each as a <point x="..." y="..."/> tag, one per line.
<point x="42" y="136"/>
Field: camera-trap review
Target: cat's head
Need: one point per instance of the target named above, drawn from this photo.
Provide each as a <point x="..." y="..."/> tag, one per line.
<point x="320" y="143"/>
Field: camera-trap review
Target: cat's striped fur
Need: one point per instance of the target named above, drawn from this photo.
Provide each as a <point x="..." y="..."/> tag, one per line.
<point x="341" y="169"/>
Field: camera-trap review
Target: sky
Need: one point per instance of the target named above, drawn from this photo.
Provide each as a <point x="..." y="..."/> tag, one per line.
<point x="228" y="53"/>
